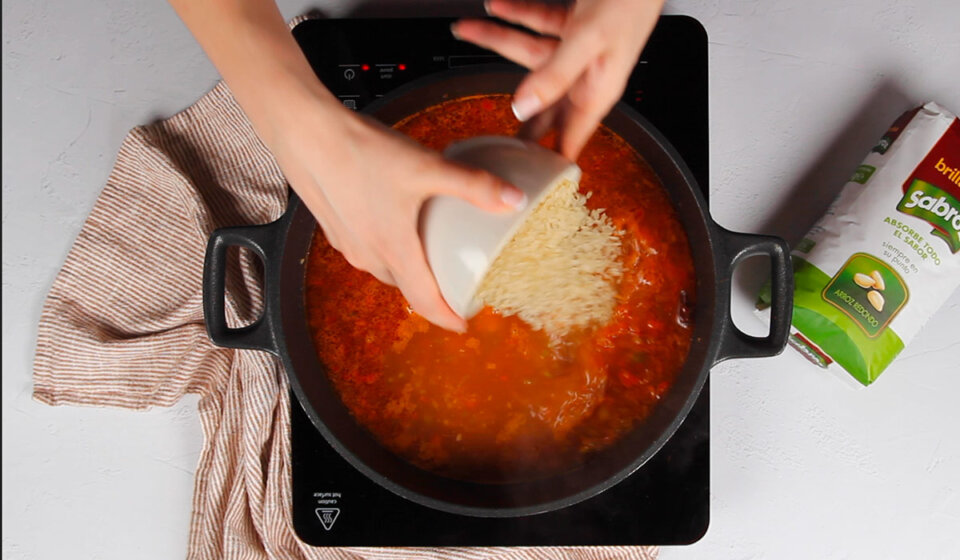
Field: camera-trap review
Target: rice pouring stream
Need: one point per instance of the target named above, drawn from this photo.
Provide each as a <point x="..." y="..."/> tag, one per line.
<point x="559" y="272"/>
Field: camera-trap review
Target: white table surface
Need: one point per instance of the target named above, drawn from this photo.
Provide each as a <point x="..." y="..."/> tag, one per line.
<point x="804" y="465"/>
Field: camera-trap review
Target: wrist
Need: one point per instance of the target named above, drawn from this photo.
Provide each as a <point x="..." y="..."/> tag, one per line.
<point x="291" y="102"/>
<point x="274" y="83"/>
<point x="259" y="59"/>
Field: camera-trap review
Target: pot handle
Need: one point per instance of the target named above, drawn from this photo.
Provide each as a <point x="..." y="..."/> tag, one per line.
<point x="262" y="240"/>
<point x="735" y="343"/>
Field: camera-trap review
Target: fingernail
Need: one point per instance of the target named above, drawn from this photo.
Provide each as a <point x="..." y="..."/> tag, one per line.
<point x="513" y="197"/>
<point x="525" y="106"/>
<point x="453" y="31"/>
<point x="486" y="7"/>
<point x="459" y="327"/>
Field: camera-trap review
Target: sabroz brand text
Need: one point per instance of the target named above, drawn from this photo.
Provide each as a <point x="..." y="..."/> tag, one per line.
<point x="940" y="206"/>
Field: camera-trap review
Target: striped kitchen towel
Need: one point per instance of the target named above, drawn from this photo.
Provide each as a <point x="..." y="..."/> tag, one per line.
<point x="123" y="326"/>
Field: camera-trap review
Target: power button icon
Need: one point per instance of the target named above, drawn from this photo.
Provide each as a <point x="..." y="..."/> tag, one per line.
<point x="349" y="73"/>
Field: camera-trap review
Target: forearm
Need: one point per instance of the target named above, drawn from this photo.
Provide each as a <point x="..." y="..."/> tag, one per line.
<point x="251" y="46"/>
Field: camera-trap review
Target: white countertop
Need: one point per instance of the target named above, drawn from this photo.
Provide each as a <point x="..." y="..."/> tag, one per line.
<point x="804" y="465"/>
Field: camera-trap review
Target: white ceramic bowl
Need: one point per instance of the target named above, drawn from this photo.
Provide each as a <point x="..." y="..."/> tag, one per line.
<point x="461" y="240"/>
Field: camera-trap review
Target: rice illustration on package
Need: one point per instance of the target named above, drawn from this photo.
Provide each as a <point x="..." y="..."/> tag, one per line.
<point x="886" y="255"/>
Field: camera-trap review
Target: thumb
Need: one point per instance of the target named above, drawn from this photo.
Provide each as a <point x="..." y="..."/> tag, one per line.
<point x="480" y="188"/>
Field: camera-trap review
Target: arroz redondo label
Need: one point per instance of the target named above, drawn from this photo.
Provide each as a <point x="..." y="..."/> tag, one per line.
<point x="886" y="255"/>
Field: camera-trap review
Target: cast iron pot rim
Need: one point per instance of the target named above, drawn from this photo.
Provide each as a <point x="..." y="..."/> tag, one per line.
<point x="723" y="339"/>
<point x="642" y="458"/>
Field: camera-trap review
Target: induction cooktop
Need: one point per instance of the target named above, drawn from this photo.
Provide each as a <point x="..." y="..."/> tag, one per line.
<point x="664" y="502"/>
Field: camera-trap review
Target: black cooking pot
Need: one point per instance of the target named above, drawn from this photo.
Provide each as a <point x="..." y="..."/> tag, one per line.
<point x="282" y="329"/>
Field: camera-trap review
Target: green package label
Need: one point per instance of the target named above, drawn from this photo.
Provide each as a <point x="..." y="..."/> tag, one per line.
<point x="937" y="206"/>
<point x="862" y="174"/>
<point x="868" y="291"/>
<point x="839" y="335"/>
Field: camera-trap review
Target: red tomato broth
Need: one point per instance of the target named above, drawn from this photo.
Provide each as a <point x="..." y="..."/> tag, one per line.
<point x="500" y="402"/>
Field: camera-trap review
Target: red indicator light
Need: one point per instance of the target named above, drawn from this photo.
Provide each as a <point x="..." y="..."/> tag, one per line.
<point x="401" y="66"/>
<point x="365" y="67"/>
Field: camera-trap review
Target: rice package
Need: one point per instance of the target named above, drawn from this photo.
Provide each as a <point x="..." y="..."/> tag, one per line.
<point x="886" y="255"/>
